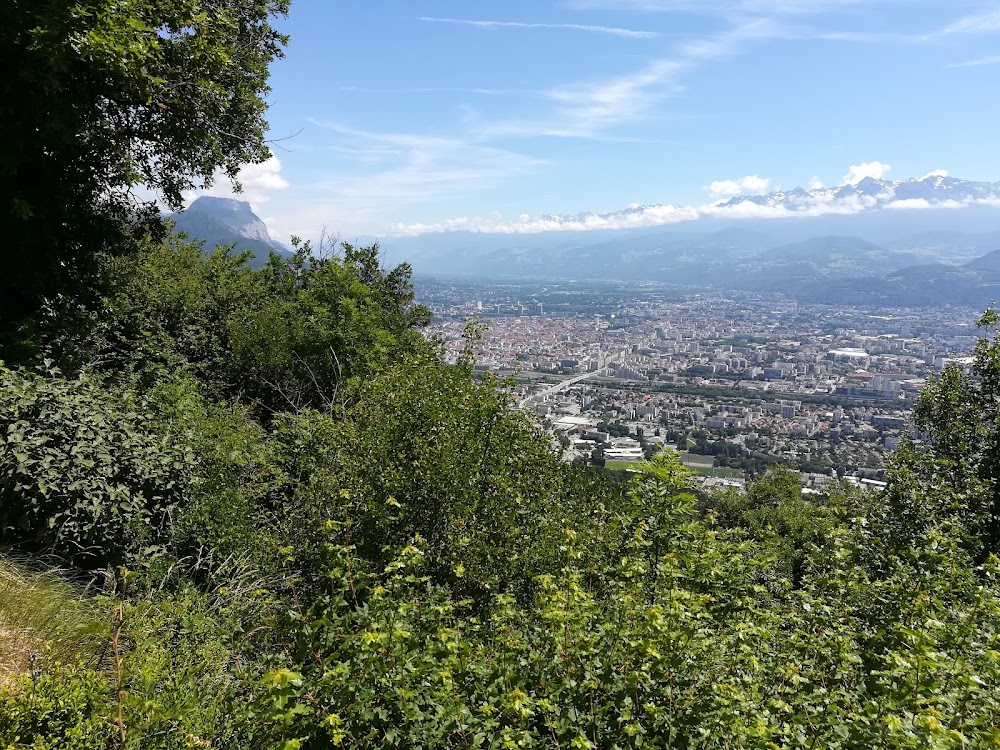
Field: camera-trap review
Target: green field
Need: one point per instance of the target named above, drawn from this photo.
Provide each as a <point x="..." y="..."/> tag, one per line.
<point x="695" y="459"/>
<point x="711" y="471"/>
<point x="704" y="470"/>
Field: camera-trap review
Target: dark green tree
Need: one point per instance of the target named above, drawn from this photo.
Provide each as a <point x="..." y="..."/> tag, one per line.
<point x="100" y="98"/>
<point x="960" y="411"/>
<point x="298" y="333"/>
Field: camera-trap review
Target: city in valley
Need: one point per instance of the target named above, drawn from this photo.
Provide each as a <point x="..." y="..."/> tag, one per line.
<point x="737" y="383"/>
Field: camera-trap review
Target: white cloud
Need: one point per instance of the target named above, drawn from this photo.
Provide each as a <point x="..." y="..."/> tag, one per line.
<point x="922" y="204"/>
<point x="654" y="216"/>
<point x="729" y="188"/>
<point x="725" y="7"/>
<point x="935" y="173"/>
<point x="481" y="91"/>
<point x="611" y="30"/>
<point x="858" y="172"/>
<point x="826" y="203"/>
<point x="259" y="183"/>
<point x="815" y="184"/>
<point x="910" y="204"/>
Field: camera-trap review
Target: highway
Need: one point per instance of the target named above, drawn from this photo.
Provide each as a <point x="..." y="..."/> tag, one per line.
<point x="559" y="386"/>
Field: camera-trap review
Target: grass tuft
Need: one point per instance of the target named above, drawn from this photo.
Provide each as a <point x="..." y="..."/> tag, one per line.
<point x="43" y="620"/>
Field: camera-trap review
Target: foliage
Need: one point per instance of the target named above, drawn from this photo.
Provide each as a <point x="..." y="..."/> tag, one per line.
<point x="102" y="97"/>
<point x="446" y="580"/>
<point x="80" y="473"/>
<point x="688" y="646"/>
<point x="62" y="708"/>
<point x="341" y="540"/>
<point x="774" y="511"/>
<point x="427" y="450"/>
<point x="224" y="514"/>
<point x="299" y="333"/>
<point x="961" y="413"/>
<point x="328" y="323"/>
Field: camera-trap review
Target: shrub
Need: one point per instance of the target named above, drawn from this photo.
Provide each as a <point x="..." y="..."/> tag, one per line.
<point x="683" y="648"/>
<point x="81" y="473"/>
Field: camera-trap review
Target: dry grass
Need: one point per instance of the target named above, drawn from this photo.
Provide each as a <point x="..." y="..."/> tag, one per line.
<point x="43" y="619"/>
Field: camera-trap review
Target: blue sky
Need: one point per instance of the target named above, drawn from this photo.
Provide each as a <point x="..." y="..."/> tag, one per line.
<point x="412" y="115"/>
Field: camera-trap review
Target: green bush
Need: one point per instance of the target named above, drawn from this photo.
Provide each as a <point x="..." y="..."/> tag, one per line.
<point x="298" y="333"/>
<point x="426" y="450"/>
<point x="683" y="648"/>
<point x="80" y="472"/>
<point x="66" y="708"/>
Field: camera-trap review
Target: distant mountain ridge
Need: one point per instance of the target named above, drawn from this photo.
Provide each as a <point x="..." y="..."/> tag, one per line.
<point x="927" y="241"/>
<point x="226" y="221"/>
<point x="872" y="193"/>
<point x="866" y="196"/>
<point x="987" y="266"/>
<point x="936" y="255"/>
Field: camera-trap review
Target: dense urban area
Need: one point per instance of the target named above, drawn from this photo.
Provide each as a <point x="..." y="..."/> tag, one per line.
<point x="736" y="383"/>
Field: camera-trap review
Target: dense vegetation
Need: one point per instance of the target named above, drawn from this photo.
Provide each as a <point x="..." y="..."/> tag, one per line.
<point x="282" y="521"/>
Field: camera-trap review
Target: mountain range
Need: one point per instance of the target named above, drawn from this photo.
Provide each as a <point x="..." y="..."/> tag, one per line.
<point x="878" y="242"/>
<point x="932" y="241"/>
<point x="224" y="221"/>
<point x="871" y="193"/>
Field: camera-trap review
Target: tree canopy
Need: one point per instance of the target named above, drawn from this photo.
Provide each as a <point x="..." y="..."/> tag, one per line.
<point x="100" y="99"/>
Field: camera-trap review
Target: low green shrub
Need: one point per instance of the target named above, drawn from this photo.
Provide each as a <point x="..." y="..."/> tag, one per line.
<point x="686" y="645"/>
<point x="80" y="472"/>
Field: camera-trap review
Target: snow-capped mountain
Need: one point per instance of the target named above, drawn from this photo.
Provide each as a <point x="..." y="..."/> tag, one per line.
<point x="870" y="193"/>
<point x="867" y="196"/>
<point x="873" y="242"/>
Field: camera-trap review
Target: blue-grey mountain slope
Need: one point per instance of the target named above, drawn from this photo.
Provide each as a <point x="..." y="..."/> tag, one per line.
<point x="224" y="221"/>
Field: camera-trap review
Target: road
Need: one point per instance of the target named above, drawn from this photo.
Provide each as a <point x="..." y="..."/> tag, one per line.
<point x="559" y="386"/>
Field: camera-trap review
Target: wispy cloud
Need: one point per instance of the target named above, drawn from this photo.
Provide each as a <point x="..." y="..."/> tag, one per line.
<point x="978" y="23"/>
<point x="726" y="7"/>
<point x="589" y="109"/>
<point x="441" y="90"/>
<point x="990" y="60"/>
<point x="413" y="169"/>
<point x="867" y="37"/>
<point x="597" y="104"/>
<point x="417" y="169"/>
<point x="610" y="30"/>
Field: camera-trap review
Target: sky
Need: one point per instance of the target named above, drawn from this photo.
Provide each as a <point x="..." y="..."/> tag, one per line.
<point x="411" y="116"/>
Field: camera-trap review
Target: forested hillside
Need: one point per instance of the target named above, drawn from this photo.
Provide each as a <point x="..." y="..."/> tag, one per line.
<point x="252" y="507"/>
